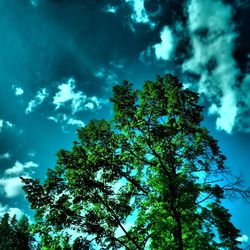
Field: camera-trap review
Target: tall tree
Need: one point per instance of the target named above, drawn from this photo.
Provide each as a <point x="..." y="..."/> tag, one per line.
<point x="151" y="178"/>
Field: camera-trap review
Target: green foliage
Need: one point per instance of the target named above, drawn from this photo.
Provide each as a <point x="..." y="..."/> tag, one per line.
<point x="153" y="167"/>
<point x="15" y="234"/>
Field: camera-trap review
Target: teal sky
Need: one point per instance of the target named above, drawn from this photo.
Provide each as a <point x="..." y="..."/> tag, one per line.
<point x="59" y="60"/>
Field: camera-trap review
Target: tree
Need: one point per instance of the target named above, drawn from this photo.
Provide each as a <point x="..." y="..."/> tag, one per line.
<point x="15" y="234"/>
<point x="151" y="178"/>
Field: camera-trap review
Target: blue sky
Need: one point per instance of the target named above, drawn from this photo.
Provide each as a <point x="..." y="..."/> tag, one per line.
<point x="59" y="60"/>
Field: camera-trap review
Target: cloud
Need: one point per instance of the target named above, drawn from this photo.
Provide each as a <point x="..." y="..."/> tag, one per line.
<point x="67" y="94"/>
<point x="110" y="9"/>
<point x="243" y="238"/>
<point x="66" y="121"/>
<point x="164" y="49"/>
<point x="18" y="168"/>
<point x="139" y="13"/>
<point x="75" y="122"/>
<point x="11" y="211"/>
<point x="5" y="124"/>
<point x="6" y="156"/>
<point x="108" y="75"/>
<point x="18" y="90"/>
<point x="78" y="100"/>
<point x="38" y="100"/>
<point x="212" y="36"/>
<point x="12" y="187"/>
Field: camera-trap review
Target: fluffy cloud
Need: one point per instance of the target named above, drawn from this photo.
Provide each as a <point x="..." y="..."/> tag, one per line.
<point x="6" y="155"/>
<point x="75" y="122"/>
<point x="212" y="37"/>
<point x="139" y="13"/>
<point x="19" y="167"/>
<point x="12" y="187"/>
<point x="18" y="90"/>
<point x="164" y="49"/>
<point x="67" y="94"/>
<point x="38" y="100"/>
<point x="78" y="100"/>
<point x="243" y="238"/>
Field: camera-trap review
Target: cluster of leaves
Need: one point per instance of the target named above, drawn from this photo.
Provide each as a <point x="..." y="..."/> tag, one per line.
<point x="15" y="234"/>
<point x="151" y="178"/>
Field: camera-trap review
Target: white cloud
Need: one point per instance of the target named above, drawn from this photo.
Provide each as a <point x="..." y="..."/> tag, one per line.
<point x="89" y="105"/>
<point x="52" y="118"/>
<point x="66" y="94"/>
<point x="6" y="155"/>
<point x="12" y="186"/>
<point x="19" y="167"/>
<point x="212" y="34"/>
<point x="38" y="100"/>
<point x="226" y="112"/>
<point x="243" y="238"/>
<point x="76" y="122"/>
<point x="164" y="49"/>
<point x="19" y="91"/>
<point x="140" y="14"/>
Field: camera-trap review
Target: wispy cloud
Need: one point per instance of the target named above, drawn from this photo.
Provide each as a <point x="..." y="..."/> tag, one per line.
<point x="5" y="124"/>
<point x="110" y="8"/>
<point x="38" y="100"/>
<point x="6" y="156"/>
<point x="66" y="121"/>
<point x="212" y="34"/>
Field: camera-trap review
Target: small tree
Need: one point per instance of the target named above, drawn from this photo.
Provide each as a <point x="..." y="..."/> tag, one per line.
<point x="15" y="234"/>
<point x="151" y="178"/>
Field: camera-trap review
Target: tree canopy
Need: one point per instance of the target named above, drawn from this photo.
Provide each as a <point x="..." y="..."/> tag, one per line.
<point x="150" y="178"/>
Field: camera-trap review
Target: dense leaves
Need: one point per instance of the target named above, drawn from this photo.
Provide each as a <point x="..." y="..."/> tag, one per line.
<point x="151" y="178"/>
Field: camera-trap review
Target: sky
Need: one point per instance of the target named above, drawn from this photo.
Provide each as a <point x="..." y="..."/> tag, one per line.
<point x="59" y="60"/>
